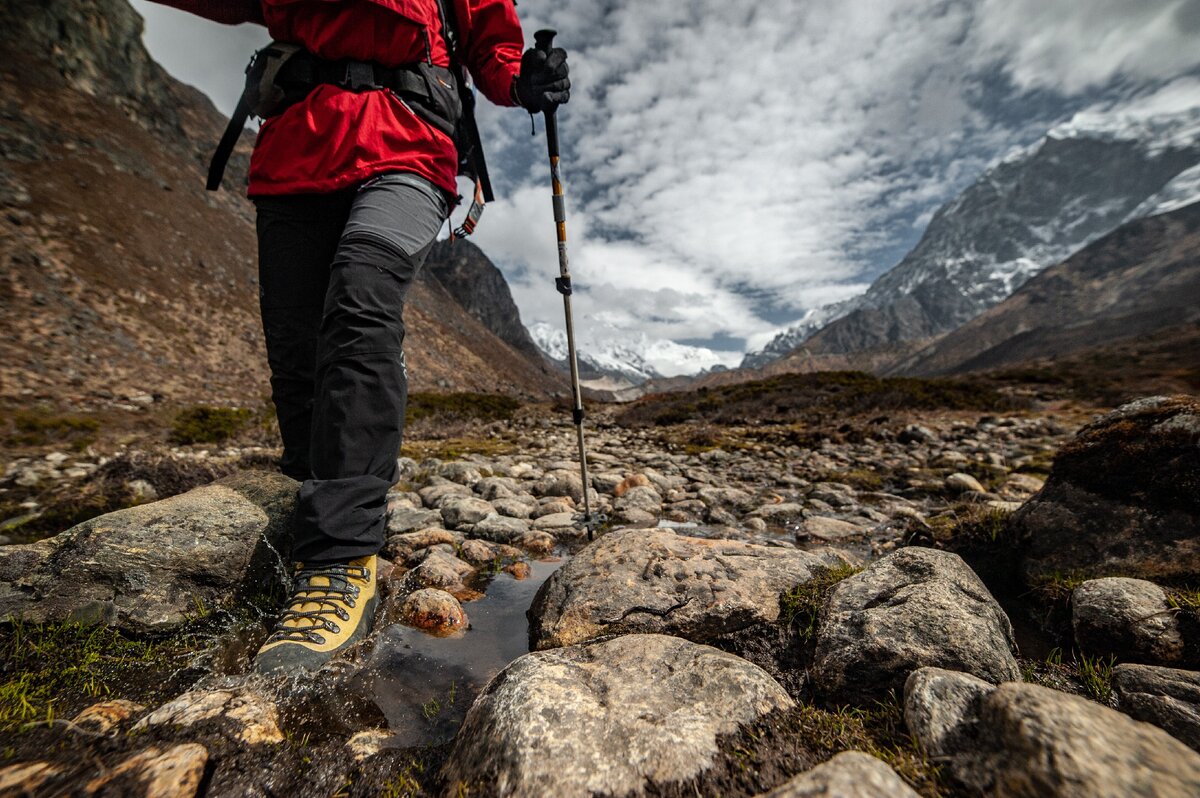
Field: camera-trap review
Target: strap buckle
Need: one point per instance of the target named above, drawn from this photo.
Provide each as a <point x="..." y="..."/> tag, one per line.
<point x="359" y="76"/>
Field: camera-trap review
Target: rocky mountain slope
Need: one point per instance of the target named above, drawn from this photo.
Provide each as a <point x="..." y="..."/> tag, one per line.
<point x="1026" y="213"/>
<point x="1133" y="282"/>
<point x="123" y="278"/>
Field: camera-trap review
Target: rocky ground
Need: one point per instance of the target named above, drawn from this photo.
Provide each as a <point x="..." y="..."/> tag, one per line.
<point x="909" y="601"/>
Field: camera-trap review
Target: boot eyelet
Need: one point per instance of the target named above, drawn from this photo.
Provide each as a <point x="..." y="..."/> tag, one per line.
<point x="350" y="602"/>
<point x="333" y="627"/>
<point x="342" y="614"/>
<point x="316" y="638"/>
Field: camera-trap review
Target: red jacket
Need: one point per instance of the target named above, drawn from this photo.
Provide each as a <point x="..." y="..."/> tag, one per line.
<point x="335" y="137"/>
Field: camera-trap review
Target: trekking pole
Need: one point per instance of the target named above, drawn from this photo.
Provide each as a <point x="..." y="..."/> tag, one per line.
<point x="543" y="40"/>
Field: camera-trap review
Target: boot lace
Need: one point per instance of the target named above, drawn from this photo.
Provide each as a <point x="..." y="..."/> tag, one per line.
<point x="312" y="603"/>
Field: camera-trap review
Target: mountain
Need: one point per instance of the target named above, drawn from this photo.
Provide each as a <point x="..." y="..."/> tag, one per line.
<point x="120" y="276"/>
<point x="1139" y="279"/>
<point x="1029" y="211"/>
<point x="611" y="359"/>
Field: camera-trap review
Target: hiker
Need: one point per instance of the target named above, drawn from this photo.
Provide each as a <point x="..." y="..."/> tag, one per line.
<point x="353" y="177"/>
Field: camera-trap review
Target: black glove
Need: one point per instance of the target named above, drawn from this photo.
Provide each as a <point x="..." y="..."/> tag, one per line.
<point x="543" y="84"/>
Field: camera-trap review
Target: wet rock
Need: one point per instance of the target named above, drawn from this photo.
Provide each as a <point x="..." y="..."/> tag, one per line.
<point x="1033" y="741"/>
<point x="518" y="570"/>
<point x="243" y="714"/>
<point x="1122" y="498"/>
<point x="915" y="607"/>
<point x="461" y="511"/>
<point x="146" y="568"/>
<point x="1126" y="618"/>
<point x="658" y="581"/>
<point x="106" y="716"/>
<point x="501" y="529"/>
<point x="941" y="708"/>
<point x="434" y="611"/>
<point x="850" y="774"/>
<point x="438" y="569"/>
<point x="411" y="519"/>
<point x="175" y="772"/>
<point x="1166" y="697"/>
<point x="24" y="778"/>
<point x="402" y="547"/>
<point x="536" y="542"/>
<point x="477" y="552"/>
<point x="580" y="721"/>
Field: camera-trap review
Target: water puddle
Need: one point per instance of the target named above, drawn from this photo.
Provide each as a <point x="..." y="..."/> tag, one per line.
<point x="425" y="684"/>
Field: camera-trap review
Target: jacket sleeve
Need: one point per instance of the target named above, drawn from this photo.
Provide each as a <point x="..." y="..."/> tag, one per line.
<point x="229" y="12"/>
<point x="492" y="44"/>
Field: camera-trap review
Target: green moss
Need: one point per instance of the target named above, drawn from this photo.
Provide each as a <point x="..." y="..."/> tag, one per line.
<point x="55" y="667"/>
<point x="32" y="428"/>
<point x="1057" y="586"/>
<point x="457" y="448"/>
<point x="802" y="604"/>
<point x="460" y="406"/>
<point x="205" y="424"/>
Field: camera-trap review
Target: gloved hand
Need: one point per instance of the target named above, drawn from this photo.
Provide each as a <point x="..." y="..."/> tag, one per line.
<point x="542" y="84"/>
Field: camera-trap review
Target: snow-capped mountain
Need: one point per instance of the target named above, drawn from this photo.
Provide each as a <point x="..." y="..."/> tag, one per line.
<point x="1030" y="210"/>
<point x="612" y="358"/>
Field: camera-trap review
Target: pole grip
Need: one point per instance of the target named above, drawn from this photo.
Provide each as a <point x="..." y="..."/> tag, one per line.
<point x="544" y="40"/>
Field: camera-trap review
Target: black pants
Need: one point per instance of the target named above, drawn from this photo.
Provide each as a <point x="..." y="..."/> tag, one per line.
<point x="334" y="270"/>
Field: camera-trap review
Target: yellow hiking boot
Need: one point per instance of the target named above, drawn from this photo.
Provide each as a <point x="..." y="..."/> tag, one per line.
<point x="332" y="607"/>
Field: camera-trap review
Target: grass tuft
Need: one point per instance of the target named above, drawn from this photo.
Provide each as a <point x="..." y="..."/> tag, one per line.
<point x="205" y="424"/>
<point x="802" y="604"/>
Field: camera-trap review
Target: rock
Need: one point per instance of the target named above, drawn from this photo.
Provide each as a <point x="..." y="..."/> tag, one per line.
<point x="657" y="581"/>
<point x="607" y="482"/>
<point x="553" y="506"/>
<point x="411" y="519"/>
<point x="941" y="707"/>
<point x="244" y="715"/>
<point x="368" y="743"/>
<point x="828" y="529"/>
<point x="501" y="529"/>
<point x="635" y="517"/>
<point x="782" y="514"/>
<point x="24" y="778"/>
<point x="141" y="491"/>
<point x="146" y="569"/>
<point x="172" y="773"/>
<point x="732" y="498"/>
<point x="401" y="547"/>
<point x="1033" y="741"/>
<point x="462" y="473"/>
<point x="915" y="433"/>
<point x="438" y="569"/>
<point x="434" y="611"/>
<point x="1121" y="498"/>
<point x="962" y="483"/>
<point x="1166" y="697"/>
<point x="436" y="494"/>
<point x="513" y="507"/>
<point x="559" y="482"/>
<point x="1128" y="619"/>
<point x="850" y="774"/>
<point x="536" y="542"/>
<point x="518" y="570"/>
<point x="915" y="607"/>
<point x="1023" y="484"/>
<point x="554" y="521"/>
<point x="477" y="552"/>
<point x="634" y="481"/>
<point x="106" y="716"/>
<point x="641" y="497"/>
<point x="459" y="511"/>
<point x="491" y="488"/>
<point x="580" y="721"/>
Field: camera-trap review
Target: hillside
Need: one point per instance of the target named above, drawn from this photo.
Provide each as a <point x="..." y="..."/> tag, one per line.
<point x="1143" y="277"/>
<point x="121" y="276"/>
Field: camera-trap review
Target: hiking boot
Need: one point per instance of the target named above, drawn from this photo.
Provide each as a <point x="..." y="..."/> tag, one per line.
<point x="332" y="607"/>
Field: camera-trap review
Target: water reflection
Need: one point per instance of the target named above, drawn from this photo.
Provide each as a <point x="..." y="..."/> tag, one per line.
<point x="424" y="684"/>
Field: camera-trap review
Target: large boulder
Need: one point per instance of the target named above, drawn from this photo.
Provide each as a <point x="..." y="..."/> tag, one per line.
<point x="654" y="580"/>
<point x="1167" y="697"/>
<point x="1122" y="499"/>
<point x="152" y="567"/>
<point x="606" y="717"/>
<point x="1027" y="741"/>
<point x="913" y="608"/>
<point x="1129" y="619"/>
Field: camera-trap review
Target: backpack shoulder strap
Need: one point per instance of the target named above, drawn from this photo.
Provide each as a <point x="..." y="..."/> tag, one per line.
<point x="476" y="162"/>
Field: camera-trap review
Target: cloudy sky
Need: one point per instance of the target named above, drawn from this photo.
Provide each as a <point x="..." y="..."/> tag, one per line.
<point x="731" y="165"/>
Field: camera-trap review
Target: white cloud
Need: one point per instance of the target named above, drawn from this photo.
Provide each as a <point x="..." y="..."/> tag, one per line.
<point x="727" y="162"/>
